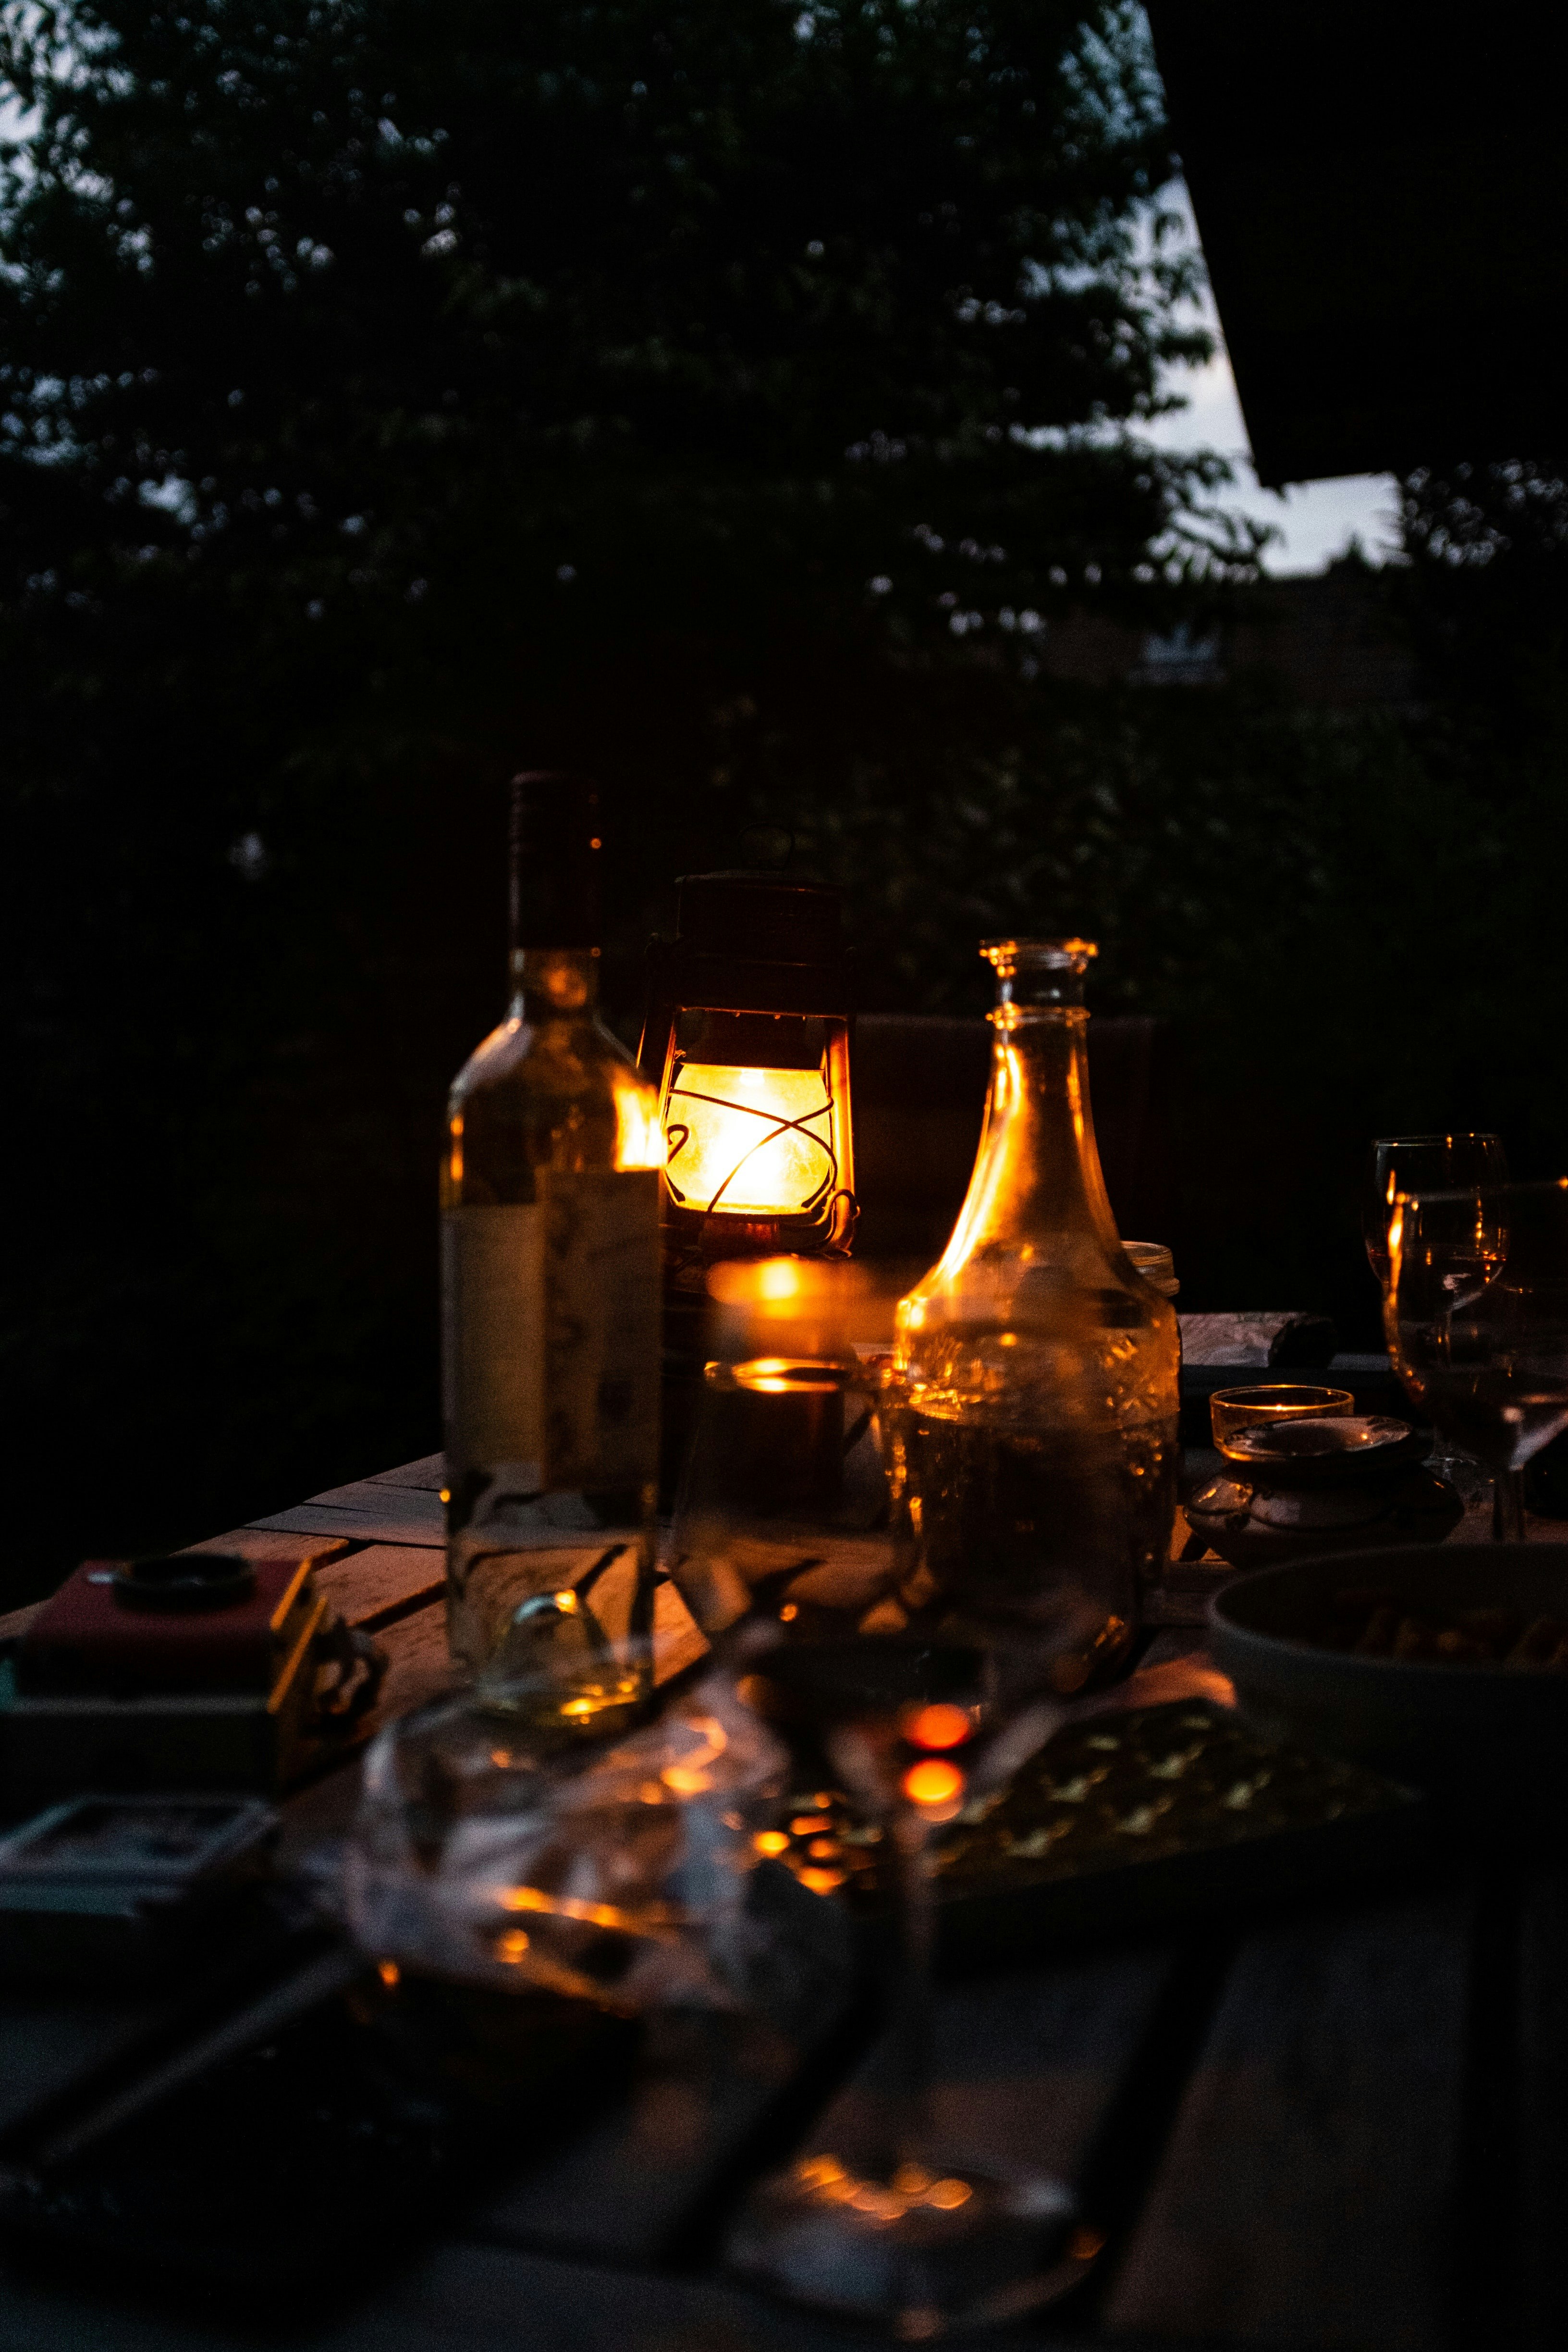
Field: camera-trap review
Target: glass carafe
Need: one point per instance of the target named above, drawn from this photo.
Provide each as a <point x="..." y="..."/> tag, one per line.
<point x="1041" y="1367"/>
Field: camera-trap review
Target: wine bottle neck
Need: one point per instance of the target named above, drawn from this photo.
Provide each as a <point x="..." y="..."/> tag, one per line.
<point x="553" y="983"/>
<point x="554" y="892"/>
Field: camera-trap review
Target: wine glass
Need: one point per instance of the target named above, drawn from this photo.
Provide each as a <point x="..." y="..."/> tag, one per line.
<point x="1429" y="1163"/>
<point x="1476" y="1317"/>
<point x="1421" y="1163"/>
<point x="915" y="1702"/>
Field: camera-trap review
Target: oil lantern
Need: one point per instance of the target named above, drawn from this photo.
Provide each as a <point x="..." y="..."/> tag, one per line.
<point x="747" y="1038"/>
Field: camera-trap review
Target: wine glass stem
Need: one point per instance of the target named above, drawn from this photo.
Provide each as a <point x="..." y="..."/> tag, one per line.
<point x="1508" y="1507"/>
<point x="911" y="2004"/>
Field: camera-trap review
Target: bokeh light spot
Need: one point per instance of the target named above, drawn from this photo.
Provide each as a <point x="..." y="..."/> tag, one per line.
<point x="933" y="1783"/>
<point x="939" y="1725"/>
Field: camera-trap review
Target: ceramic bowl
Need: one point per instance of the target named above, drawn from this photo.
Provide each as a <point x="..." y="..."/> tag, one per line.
<point x="1470" y="1732"/>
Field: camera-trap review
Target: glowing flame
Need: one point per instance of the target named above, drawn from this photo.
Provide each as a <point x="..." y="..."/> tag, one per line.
<point x="748" y="1142"/>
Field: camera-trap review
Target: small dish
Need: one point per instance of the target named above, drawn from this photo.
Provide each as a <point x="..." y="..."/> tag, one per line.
<point x="1476" y="1732"/>
<point x="1299" y="1489"/>
<point x="1321" y="1452"/>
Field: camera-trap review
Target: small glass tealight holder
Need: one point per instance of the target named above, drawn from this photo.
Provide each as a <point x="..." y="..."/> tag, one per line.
<point x="1234" y="1411"/>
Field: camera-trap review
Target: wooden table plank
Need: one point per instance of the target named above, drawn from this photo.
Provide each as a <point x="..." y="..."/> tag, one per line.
<point x="420" y="1664"/>
<point x="1543" y="2189"/>
<point x="263" y="1545"/>
<point x="678" y="1642"/>
<point x="1027" y="2067"/>
<point x="50" y="2043"/>
<point x="380" y="1581"/>
<point x="466" y="2298"/>
<point x="485" y="2300"/>
<point x="1305" y="2198"/>
<point x="366" y="1513"/>
<point x="421" y="1503"/>
<point x="429" y="1473"/>
<point x="627" y="2185"/>
<point x="1027" y="2070"/>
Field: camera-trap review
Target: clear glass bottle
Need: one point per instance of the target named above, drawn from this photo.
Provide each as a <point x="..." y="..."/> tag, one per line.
<point x="550" y="1303"/>
<point x="1041" y="1367"/>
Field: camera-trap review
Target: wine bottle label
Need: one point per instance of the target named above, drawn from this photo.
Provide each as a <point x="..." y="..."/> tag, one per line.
<point x="550" y="1331"/>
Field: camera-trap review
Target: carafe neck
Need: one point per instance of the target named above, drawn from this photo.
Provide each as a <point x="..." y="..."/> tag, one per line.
<point x="1038" y="1173"/>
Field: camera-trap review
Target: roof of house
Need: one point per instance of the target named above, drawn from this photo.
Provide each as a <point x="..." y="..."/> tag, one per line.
<point x="1383" y="209"/>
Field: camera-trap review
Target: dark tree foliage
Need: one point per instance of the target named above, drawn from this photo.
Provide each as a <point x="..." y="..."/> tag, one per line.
<point x="1486" y="594"/>
<point x="516" y="339"/>
<point x="724" y="393"/>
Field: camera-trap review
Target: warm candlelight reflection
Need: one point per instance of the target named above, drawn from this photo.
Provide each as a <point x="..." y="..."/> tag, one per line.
<point x="911" y="2185"/>
<point x="796" y="1308"/>
<point x="640" y="1132"/>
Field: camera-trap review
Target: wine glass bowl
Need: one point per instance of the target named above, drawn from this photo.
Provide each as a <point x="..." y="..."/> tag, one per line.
<point x="1421" y="1163"/>
<point x="1477" y="1318"/>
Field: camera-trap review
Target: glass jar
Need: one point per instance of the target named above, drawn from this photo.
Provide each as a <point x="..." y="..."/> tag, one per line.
<point x="1155" y="1263"/>
<point x="1040" y="1365"/>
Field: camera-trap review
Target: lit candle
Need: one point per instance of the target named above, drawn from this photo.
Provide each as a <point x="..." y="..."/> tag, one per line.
<point x="1232" y="1410"/>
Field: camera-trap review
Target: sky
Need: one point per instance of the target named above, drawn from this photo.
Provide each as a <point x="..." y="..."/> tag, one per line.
<point x="1315" y="519"/>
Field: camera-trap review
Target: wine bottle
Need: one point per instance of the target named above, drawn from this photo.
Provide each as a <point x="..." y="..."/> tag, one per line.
<point x="550" y="1303"/>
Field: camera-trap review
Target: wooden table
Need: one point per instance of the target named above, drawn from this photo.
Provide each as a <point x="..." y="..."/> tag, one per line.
<point x="1344" y="2127"/>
